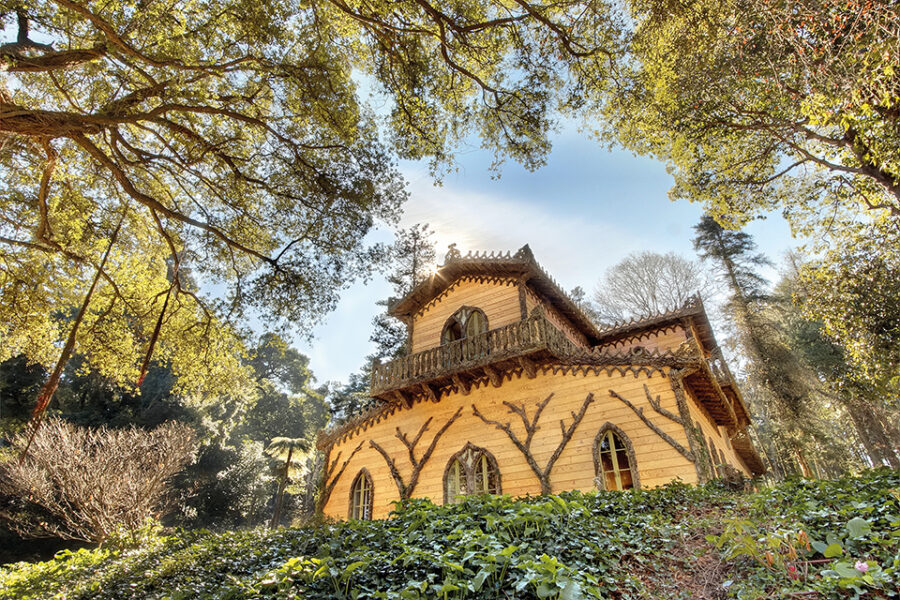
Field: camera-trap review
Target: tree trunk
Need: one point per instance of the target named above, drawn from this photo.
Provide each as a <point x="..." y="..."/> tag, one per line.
<point x="279" y="502"/>
<point x="872" y="432"/>
<point x="801" y="460"/>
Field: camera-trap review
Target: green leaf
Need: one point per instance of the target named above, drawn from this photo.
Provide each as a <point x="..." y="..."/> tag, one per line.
<point x="833" y="550"/>
<point x="858" y="527"/>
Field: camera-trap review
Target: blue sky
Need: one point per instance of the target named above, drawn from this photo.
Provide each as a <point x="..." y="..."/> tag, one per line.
<point x="581" y="213"/>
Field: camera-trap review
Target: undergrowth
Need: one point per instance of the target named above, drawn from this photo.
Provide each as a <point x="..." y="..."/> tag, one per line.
<point x="823" y="539"/>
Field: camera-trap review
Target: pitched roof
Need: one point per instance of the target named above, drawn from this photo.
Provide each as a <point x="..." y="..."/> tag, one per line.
<point x="693" y="308"/>
<point x="521" y="265"/>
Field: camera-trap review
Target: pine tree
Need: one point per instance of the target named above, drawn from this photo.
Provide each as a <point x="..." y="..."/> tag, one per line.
<point x="412" y="260"/>
<point x="773" y="369"/>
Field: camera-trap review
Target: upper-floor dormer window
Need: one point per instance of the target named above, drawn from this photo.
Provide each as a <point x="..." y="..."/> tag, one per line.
<point x="467" y="322"/>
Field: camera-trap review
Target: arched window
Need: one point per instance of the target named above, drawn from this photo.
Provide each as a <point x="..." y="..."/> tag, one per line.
<point x="472" y="470"/>
<point x="361" y="496"/>
<point x="467" y="322"/>
<point x="614" y="460"/>
<point x="452" y="331"/>
<point x="476" y="323"/>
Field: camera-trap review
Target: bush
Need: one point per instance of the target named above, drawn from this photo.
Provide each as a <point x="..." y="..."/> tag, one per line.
<point x="83" y="483"/>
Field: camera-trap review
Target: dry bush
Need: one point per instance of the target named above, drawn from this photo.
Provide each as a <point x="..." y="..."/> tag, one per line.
<point x="92" y="481"/>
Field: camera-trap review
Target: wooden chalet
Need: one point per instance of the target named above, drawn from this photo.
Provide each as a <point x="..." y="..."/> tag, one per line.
<point x="509" y="388"/>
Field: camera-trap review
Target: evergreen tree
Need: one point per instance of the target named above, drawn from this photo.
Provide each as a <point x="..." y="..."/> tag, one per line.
<point x="860" y="399"/>
<point x="412" y="260"/>
<point x="780" y="379"/>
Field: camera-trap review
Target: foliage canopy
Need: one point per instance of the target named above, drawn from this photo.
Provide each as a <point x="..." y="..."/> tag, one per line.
<point x="232" y="142"/>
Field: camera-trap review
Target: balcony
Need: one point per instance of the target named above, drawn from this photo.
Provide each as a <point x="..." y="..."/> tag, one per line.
<point x="534" y="337"/>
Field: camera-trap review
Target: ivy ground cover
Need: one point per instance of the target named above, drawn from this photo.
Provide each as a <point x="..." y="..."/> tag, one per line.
<point x="801" y="539"/>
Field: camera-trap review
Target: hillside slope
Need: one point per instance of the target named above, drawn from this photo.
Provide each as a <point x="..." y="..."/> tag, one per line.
<point x="824" y="539"/>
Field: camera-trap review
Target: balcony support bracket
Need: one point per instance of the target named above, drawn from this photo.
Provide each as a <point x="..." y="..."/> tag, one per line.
<point x="493" y="375"/>
<point x="429" y="392"/>
<point x="528" y="367"/>
<point x="461" y="386"/>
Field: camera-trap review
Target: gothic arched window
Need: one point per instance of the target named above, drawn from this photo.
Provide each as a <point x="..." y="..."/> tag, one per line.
<point x="361" y="497"/>
<point x="467" y="322"/>
<point x="614" y="460"/>
<point x="472" y="470"/>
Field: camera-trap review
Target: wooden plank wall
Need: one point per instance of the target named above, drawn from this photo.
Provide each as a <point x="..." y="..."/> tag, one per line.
<point x="657" y="462"/>
<point x="668" y="339"/>
<point x="717" y="433"/>
<point x="498" y="299"/>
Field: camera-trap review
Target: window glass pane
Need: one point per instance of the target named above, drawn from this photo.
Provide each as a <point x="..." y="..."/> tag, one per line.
<point x="606" y="461"/>
<point x="361" y="498"/>
<point x="452" y="332"/>
<point x="475" y="324"/>
<point x="481" y="476"/>
<point x="610" y="479"/>
<point x="627" y="482"/>
<point x="604" y="444"/>
<point x="614" y="462"/>
<point x="455" y="483"/>
<point x="622" y="457"/>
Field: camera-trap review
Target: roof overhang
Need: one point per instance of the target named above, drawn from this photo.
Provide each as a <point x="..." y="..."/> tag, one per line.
<point x="521" y="266"/>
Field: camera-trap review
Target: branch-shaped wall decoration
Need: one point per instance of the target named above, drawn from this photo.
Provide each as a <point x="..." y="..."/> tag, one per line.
<point x="406" y="489"/>
<point x="328" y="487"/>
<point x="656" y="407"/>
<point x="531" y="426"/>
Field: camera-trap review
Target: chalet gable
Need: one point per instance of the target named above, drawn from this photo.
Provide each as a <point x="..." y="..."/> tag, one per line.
<point x="504" y="287"/>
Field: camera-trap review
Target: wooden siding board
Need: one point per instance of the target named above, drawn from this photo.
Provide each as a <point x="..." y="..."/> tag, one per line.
<point x="657" y="461"/>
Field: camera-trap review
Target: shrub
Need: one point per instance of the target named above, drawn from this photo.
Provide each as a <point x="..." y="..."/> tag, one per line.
<point x="83" y="483"/>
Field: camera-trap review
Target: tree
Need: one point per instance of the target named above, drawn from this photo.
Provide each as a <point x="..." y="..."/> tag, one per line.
<point x="782" y="381"/>
<point x="854" y="291"/>
<point x="140" y="141"/>
<point x="352" y="398"/>
<point x="647" y="283"/>
<point x="579" y="296"/>
<point x="759" y="103"/>
<point x="87" y="482"/>
<point x="284" y="450"/>
<point x="863" y="405"/>
<point x="411" y="261"/>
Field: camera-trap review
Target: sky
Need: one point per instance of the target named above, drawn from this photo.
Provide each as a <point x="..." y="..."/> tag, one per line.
<point x="581" y="213"/>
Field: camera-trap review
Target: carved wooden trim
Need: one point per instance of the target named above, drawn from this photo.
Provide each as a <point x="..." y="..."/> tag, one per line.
<point x="327" y="487"/>
<point x="429" y="392"/>
<point x="493" y="375"/>
<point x="364" y="472"/>
<point x="640" y="413"/>
<point x="629" y="449"/>
<point x="528" y="367"/>
<point x="531" y="426"/>
<point x="461" y="386"/>
<point x="502" y="280"/>
<point x="406" y="488"/>
<point x="490" y="457"/>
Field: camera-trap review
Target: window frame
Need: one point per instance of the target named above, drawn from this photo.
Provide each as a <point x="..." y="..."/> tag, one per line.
<point x="469" y="475"/>
<point x="599" y="477"/>
<point x="365" y="476"/>
<point x="461" y="319"/>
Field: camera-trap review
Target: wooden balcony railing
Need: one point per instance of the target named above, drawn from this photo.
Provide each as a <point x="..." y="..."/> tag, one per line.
<point x="523" y="337"/>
